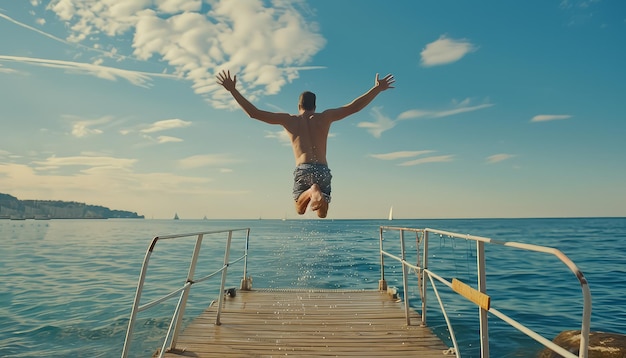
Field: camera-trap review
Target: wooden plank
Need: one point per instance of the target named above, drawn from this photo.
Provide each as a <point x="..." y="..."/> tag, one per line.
<point x="479" y="298"/>
<point x="306" y="323"/>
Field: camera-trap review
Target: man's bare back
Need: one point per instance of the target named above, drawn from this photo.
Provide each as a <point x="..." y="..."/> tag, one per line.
<point x="308" y="132"/>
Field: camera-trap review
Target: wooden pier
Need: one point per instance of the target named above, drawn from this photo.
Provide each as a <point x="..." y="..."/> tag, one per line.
<point x="309" y="323"/>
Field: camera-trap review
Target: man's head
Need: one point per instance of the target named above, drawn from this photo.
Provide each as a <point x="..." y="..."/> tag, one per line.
<point x="307" y="101"/>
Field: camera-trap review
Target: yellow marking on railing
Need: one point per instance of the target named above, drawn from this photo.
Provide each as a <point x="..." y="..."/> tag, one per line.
<point x="479" y="298"/>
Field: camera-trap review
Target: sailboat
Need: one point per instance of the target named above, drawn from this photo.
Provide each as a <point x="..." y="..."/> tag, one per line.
<point x="391" y="213"/>
<point x="176" y="216"/>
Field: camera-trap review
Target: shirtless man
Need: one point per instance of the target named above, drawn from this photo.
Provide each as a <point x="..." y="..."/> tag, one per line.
<point x="308" y="132"/>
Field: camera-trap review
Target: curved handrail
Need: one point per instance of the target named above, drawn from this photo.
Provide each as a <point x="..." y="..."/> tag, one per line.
<point x="183" y="291"/>
<point x="480" y="241"/>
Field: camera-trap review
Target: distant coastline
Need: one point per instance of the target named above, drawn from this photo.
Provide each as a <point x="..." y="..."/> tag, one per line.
<point x="16" y="209"/>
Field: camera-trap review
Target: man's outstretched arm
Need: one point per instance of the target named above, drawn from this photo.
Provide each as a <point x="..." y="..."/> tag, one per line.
<point x="224" y="79"/>
<point x="361" y="102"/>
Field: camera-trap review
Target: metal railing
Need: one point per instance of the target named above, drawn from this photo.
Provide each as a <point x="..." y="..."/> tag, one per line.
<point x="478" y="296"/>
<point x="175" y="325"/>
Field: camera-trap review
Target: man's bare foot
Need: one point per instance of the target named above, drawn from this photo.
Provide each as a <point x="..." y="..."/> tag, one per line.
<point x="316" y="197"/>
<point x="303" y="202"/>
<point x="323" y="209"/>
<point x="318" y="202"/>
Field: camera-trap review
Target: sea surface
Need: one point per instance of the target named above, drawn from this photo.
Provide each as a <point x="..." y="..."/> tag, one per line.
<point x="67" y="286"/>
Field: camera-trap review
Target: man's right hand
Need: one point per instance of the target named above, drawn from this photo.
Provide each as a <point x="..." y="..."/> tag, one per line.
<point x="385" y="83"/>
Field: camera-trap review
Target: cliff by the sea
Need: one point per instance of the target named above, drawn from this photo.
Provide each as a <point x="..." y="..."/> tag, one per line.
<point x="13" y="208"/>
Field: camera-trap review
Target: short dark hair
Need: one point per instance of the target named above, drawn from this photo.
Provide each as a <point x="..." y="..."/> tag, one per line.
<point x="307" y="101"/>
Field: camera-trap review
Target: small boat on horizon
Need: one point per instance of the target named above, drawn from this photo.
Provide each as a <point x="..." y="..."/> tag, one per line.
<point x="176" y="216"/>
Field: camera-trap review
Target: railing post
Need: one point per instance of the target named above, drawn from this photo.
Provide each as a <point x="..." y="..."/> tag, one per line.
<point x="223" y="283"/>
<point x="382" y="284"/>
<point x="482" y="287"/>
<point x="246" y="282"/>
<point x="405" y="281"/>
<point x="185" y="296"/>
<point x="424" y="277"/>
<point x="134" y="310"/>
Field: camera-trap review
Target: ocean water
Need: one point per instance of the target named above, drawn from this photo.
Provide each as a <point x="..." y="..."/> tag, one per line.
<point x="67" y="286"/>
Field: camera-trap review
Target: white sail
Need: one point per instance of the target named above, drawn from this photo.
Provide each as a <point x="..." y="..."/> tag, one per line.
<point x="391" y="213"/>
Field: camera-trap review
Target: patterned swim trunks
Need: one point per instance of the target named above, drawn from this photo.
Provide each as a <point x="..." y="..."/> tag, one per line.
<point x="308" y="174"/>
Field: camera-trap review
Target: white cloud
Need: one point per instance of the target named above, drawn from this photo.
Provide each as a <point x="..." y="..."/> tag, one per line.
<point x="84" y="161"/>
<point x="166" y="124"/>
<point x="414" y="113"/>
<point x="444" y="51"/>
<point x="499" y="158"/>
<point x="82" y="128"/>
<point x="167" y="139"/>
<point x="7" y="70"/>
<point x="400" y="155"/>
<point x="282" y="136"/>
<point x="10" y="19"/>
<point x="125" y="188"/>
<point x="266" y="46"/>
<point x="549" y="117"/>
<point x="383" y="123"/>
<point x="411" y="154"/>
<point x="41" y="22"/>
<point x="434" y="159"/>
<point x="137" y="78"/>
<point x="204" y="160"/>
<point x="176" y="6"/>
<point x="451" y="112"/>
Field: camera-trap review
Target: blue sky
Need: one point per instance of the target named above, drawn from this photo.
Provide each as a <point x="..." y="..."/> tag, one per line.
<point x="501" y="108"/>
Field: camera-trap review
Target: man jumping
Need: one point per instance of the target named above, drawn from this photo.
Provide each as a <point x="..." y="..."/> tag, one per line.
<point x="308" y="132"/>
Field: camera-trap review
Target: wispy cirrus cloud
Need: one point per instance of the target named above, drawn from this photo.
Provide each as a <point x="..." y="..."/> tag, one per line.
<point x="383" y="123"/>
<point x="82" y="178"/>
<point x="203" y="160"/>
<point x="413" y="114"/>
<point x="110" y="53"/>
<point x="496" y="158"/>
<point x="21" y="24"/>
<point x="282" y="136"/>
<point x="167" y="139"/>
<point x="85" y="127"/>
<point x="137" y="78"/>
<point x="549" y="117"/>
<point x="146" y="131"/>
<point x="400" y="155"/>
<point x="444" y="51"/>
<point x="166" y="124"/>
<point x="7" y="70"/>
<point x="89" y="161"/>
<point x="433" y="159"/>
<point x="267" y="45"/>
<point x="412" y="154"/>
